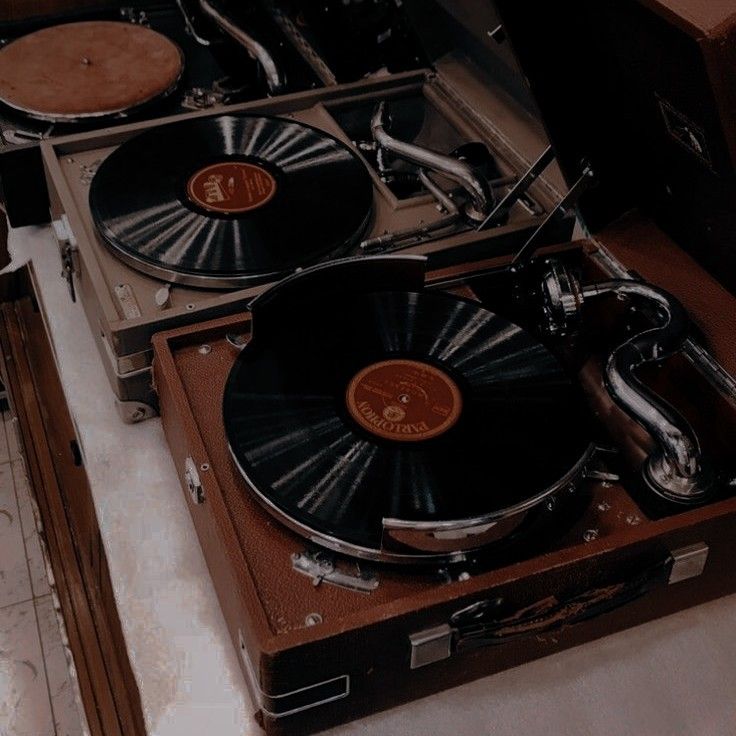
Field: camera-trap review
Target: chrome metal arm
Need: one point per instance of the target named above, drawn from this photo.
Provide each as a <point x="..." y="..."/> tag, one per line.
<point x="708" y="367"/>
<point x="675" y="469"/>
<point x="201" y="40"/>
<point x="274" y="77"/>
<point x="481" y="195"/>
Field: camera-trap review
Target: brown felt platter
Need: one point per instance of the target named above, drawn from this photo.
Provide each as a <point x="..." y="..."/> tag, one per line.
<point x="88" y="69"/>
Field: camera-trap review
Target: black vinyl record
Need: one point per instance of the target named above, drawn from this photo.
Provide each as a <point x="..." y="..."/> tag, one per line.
<point x="414" y="406"/>
<point x="230" y="200"/>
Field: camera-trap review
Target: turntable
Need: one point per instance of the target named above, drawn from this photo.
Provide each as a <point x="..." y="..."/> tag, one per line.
<point x="93" y="69"/>
<point x="422" y="434"/>
<point x="72" y="72"/>
<point x="402" y="483"/>
<point x="162" y="224"/>
<point x="404" y="479"/>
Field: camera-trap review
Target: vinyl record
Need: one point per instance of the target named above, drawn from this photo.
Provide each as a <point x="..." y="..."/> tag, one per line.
<point x="414" y="406"/>
<point x="231" y="200"/>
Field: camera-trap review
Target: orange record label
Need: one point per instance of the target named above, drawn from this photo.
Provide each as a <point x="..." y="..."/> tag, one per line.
<point x="404" y="400"/>
<point x="231" y="187"/>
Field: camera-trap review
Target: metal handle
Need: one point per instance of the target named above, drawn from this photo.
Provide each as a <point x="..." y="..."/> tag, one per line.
<point x="481" y="624"/>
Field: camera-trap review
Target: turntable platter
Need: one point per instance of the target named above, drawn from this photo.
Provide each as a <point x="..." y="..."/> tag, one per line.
<point x="230" y="200"/>
<point x="420" y="407"/>
<point x="89" y="69"/>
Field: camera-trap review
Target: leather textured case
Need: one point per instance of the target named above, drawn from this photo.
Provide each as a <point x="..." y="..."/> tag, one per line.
<point x="652" y="107"/>
<point x="318" y="655"/>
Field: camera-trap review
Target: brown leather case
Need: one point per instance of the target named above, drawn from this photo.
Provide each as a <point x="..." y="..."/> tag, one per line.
<point x="414" y="634"/>
<point x="652" y="106"/>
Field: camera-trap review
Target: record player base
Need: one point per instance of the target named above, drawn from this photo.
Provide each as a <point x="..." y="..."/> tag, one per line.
<point x="372" y="652"/>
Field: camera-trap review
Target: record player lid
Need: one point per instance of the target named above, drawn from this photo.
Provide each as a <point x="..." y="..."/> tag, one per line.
<point x="554" y="59"/>
<point x="87" y="69"/>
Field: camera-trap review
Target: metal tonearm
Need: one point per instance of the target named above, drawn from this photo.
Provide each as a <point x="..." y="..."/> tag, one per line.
<point x="675" y="470"/>
<point x="480" y="193"/>
<point x="274" y="77"/>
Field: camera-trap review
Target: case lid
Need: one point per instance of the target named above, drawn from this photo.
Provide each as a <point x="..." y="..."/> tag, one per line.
<point x="603" y="75"/>
<point x="594" y="74"/>
<point x="514" y="47"/>
<point x="474" y="27"/>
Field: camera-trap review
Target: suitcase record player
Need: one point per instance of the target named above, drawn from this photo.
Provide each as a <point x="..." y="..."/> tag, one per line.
<point x="407" y="474"/>
<point x="399" y="486"/>
<point x="163" y="223"/>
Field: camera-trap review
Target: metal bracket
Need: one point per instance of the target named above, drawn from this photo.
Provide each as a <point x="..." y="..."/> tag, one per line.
<point x="295" y="701"/>
<point x="688" y="562"/>
<point x="519" y="189"/>
<point x="194" y="484"/>
<point x="68" y="246"/>
<point x="430" y="645"/>
<point x="321" y="567"/>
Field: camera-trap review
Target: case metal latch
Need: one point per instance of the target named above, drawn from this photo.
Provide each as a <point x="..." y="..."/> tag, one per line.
<point x="688" y="562"/>
<point x="194" y="484"/>
<point x="431" y="645"/>
<point x="481" y="623"/>
<point x="68" y="246"/>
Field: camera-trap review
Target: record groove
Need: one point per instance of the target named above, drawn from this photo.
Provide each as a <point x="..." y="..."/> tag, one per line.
<point x="516" y="426"/>
<point x="231" y="200"/>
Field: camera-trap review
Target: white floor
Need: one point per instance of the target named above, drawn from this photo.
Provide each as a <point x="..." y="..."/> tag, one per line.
<point x="37" y="693"/>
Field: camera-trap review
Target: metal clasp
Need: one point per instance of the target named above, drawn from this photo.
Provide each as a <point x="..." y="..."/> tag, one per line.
<point x="194" y="484"/>
<point x="688" y="562"/>
<point x="431" y="645"/>
<point x="68" y="245"/>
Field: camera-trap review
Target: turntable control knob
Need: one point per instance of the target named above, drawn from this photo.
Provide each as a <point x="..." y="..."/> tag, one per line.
<point x="162" y="297"/>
